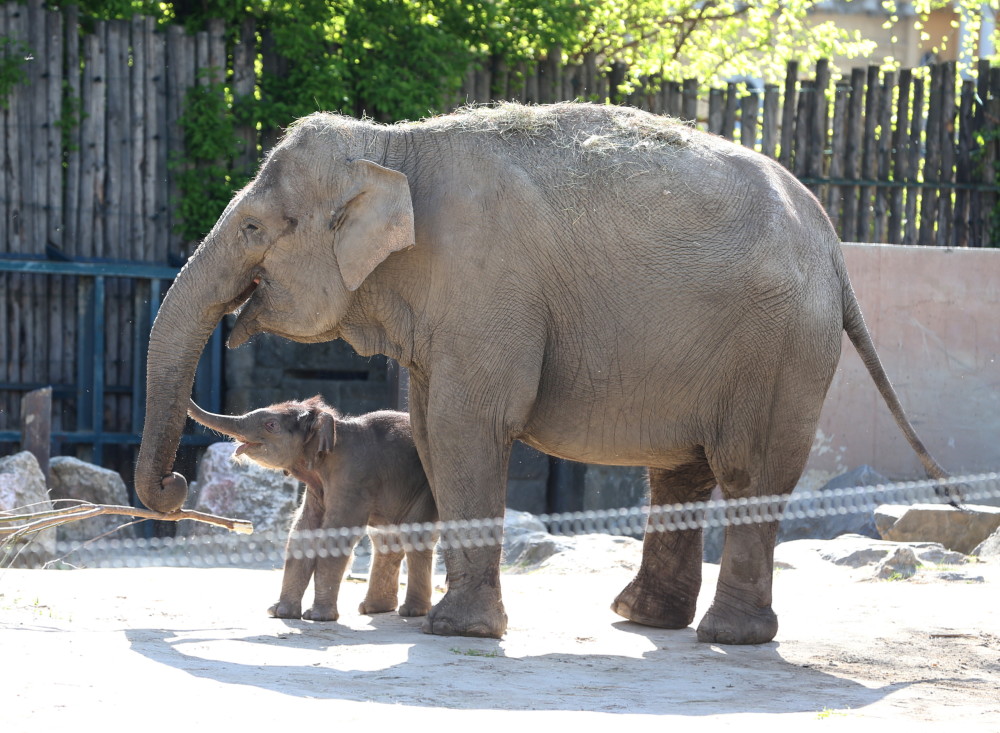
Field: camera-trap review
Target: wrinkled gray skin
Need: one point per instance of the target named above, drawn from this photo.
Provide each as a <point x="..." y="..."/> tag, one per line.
<point x="606" y="285"/>
<point x="358" y="471"/>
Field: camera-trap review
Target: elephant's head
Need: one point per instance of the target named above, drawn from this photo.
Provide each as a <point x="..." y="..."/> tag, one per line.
<point x="287" y="436"/>
<point x="289" y="253"/>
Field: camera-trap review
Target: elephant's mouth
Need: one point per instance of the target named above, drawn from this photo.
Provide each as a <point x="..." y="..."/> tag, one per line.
<point x="240" y="300"/>
<point x="244" y="447"/>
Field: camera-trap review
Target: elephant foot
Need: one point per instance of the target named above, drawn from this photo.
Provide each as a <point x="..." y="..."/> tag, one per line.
<point x="642" y="604"/>
<point x="377" y="605"/>
<point x="728" y="625"/>
<point x="410" y="608"/>
<point x="472" y="613"/>
<point x="285" y="609"/>
<point x="321" y="613"/>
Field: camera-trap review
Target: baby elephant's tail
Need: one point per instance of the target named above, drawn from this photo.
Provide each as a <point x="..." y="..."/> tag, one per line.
<point x="857" y="331"/>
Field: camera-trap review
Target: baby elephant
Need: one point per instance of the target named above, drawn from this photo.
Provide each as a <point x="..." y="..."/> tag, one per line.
<point x="358" y="471"/>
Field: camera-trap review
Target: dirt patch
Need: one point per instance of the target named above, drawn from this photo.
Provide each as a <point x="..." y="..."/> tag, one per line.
<point x="158" y="645"/>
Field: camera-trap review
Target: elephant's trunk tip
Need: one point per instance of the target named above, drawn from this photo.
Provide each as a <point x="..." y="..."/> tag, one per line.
<point x="169" y="496"/>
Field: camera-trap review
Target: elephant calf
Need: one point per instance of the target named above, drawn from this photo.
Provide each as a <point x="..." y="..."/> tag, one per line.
<point x="358" y="471"/>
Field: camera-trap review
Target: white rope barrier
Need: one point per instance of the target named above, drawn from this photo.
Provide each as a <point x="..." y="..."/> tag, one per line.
<point x="223" y="548"/>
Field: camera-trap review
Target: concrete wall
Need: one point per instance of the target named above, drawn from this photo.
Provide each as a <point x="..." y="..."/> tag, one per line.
<point x="934" y="314"/>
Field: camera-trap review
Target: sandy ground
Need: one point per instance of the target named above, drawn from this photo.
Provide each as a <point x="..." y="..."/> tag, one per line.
<point x="153" y="648"/>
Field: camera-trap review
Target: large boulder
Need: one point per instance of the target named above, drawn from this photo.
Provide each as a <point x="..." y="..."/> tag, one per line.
<point x="990" y="547"/>
<point x="242" y="490"/>
<point x="526" y="540"/>
<point x="834" y="525"/>
<point x="22" y="491"/>
<point x="962" y="530"/>
<point x="73" y="479"/>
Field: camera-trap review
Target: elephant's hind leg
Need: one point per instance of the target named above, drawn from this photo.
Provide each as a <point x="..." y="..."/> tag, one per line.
<point x="383" y="580"/>
<point x="665" y="590"/>
<point x="741" y="612"/>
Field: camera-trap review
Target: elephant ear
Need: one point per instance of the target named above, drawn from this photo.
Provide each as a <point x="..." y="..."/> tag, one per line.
<point x="375" y="222"/>
<point x="321" y="431"/>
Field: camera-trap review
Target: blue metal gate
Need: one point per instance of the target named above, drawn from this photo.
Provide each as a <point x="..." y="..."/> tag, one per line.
<point x="89" y="387"/>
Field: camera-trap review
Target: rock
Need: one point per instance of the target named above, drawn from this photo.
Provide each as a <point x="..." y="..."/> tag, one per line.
<point x="242" y="490"/>
<point x="835" y="525"/>
<point x="526" y="540"/>
<point x="958" y="576"/>
<point x="901" y="564"/>
<point x="22" y="491"/>
<point x="990" y="547"/>
<point x="71" y="478"/>
<point x="532" y="548"/>
<point x="528" y="545"/>
<point x="961" y="530"/>
<point x="515" y="521"/>
<point x="857" y="552"/>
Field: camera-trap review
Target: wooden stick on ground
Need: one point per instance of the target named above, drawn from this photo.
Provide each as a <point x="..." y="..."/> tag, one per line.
<point x="14" y="526"/>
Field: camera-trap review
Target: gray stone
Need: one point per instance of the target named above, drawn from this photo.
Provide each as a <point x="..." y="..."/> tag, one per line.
<point x="935" y="554"/>
<point x="70" y="479"/>
<point x="834" y="525"/>
<point x="517" y="521"/>
<point x="526" y="540"/>
<point x="901" y="564"/>
<point x="532" y="548"/>
<point x="955" y="576"/>
<point x="990" y="547"/>
<point x="855" y="551"/>
<point x="858" y="558"/>
<point x="22" y="491"/>
<point x="961" y="530"/>
<point x="241" y="489"/>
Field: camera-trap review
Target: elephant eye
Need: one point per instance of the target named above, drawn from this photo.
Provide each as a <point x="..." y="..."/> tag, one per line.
<point x="250" y="228"/>
<point x="271" y="426"/>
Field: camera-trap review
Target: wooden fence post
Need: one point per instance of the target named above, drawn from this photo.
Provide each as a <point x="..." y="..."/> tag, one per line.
<point x="36" y="427"/>
<point x="900" y="163"/>
<point x="932" y="159"/>
<point x="788" y="115"/>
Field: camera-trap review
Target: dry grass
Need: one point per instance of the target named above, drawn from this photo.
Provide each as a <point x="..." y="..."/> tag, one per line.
<point x="590" y="129"/>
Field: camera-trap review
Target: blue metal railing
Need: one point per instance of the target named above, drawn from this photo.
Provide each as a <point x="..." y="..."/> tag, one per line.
<point x="90" y="386"/>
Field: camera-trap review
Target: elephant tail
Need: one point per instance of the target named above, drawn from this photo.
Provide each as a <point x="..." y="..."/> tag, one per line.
<point x="857" y="331"/>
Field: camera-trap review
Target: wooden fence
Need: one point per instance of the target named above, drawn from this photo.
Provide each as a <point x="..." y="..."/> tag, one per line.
<point x="87" y="144"/>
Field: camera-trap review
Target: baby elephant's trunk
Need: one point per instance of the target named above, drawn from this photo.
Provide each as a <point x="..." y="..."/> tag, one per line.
<point x="231" y="426"/>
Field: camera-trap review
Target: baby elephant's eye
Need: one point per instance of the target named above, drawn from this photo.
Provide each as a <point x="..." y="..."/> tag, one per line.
<point x="271" y="426"/>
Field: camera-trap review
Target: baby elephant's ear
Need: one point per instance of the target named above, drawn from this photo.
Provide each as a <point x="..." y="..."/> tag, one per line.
<point x="322" y="435"/>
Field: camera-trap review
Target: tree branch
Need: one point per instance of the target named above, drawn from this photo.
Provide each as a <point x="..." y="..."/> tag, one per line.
<point x="15" y="526"/>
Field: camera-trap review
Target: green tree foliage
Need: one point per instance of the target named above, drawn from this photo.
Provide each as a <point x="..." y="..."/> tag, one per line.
<point x="205" y="175"/>
<point x="405" y="59"/>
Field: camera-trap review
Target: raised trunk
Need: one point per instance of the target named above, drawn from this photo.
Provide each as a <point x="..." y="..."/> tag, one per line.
<point x="225" y="424"/>
<point x="202" y="293"/>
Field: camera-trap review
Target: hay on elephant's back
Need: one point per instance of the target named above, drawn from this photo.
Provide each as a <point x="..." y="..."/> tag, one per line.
<point x="588" y="128"/>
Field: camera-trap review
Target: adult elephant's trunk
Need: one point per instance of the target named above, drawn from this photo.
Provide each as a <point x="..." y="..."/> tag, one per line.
<point x="225" y="424"/>
<point x="203" y="292"/>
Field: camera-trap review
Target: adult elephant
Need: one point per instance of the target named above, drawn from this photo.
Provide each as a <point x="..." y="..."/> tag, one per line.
<point x="603" y="284"/>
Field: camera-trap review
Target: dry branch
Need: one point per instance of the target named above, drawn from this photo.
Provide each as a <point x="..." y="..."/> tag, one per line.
<point x="15" y="526"/>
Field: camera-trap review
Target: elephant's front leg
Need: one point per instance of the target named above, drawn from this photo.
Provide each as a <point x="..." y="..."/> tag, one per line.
<point x="468" y="470"/>
<point x="300" y="562"/>
<point x="343" y="522"/>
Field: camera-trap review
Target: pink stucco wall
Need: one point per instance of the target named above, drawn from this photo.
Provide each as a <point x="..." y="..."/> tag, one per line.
<point x="935" y="316"/>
